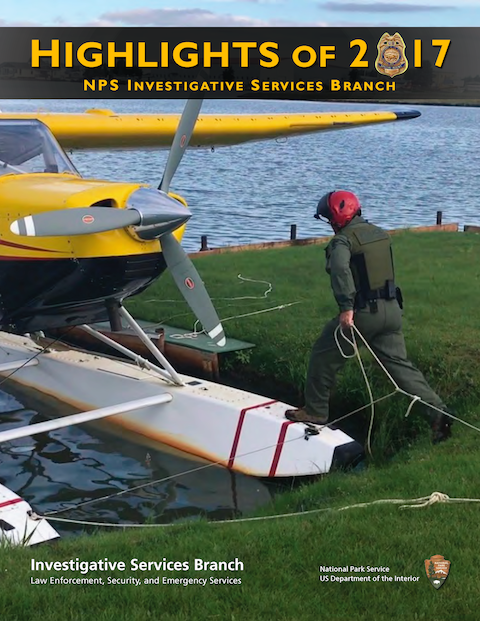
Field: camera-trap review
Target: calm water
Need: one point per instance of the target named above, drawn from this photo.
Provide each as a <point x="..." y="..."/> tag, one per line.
<point x="404" y="173"/>
<point x="66" y="467"/>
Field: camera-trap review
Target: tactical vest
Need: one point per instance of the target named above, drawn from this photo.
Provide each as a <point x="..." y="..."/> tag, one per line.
<point x="372" y="260"/>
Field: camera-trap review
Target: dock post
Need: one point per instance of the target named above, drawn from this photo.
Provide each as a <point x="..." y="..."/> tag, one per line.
<point x="439" y="218"/>
<point x="293" y="232"/>
<point x="204" y="243"/>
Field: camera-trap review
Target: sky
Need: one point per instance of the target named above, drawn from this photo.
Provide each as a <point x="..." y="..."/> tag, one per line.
<point x="396" y="13"/>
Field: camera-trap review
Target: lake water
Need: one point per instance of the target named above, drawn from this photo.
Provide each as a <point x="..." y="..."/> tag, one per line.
<point x="403" y="172"/>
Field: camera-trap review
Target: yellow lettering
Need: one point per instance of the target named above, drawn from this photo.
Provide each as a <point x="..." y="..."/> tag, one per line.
<point x="267" y="52"/>
<point x="164" y="54"/>
<point x="335" y="85"/>
<point x="53" y="53"/>
<point x="96" y="58"/>
<point x="142" y="62"/>
<point x="304" y="63"/>
<point x="358" y="62"/>
<point x="444" y="44"/>
<point x="244" y="46"/>
<point x="192" y="58"/>
<point x="68" y="54"/>
<point x="208" y="54"/>
<point x="127" y="54"/>
<point x="325" y="54"/>
<point x="417" y="53"/>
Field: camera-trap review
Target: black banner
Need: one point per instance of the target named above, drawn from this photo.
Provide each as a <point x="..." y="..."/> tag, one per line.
<point x="281" y="63"/>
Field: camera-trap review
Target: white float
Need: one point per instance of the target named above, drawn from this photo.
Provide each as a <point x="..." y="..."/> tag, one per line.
<point x="18" y="524"/>
<point x="240" y="430"/>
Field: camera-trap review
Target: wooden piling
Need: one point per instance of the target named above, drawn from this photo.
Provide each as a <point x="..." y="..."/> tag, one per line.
<point x="204" y="243"/>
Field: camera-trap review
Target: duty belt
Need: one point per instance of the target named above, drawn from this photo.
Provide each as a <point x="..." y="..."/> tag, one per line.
<point x="370" y="297"/>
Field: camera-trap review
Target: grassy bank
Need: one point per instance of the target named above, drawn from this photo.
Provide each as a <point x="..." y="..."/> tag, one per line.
<point x="439" y="279"/>
<point x="439" y="275"/>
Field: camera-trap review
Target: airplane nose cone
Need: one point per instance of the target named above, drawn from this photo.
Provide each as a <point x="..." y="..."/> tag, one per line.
<point x="159" y="213"/>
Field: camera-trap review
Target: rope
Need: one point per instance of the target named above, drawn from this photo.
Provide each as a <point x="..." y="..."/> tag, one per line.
<point x="356" y="354"/>
<point x="414" y="398"/>
<point x="407" y="394"/>
<point x="194" y="334"/>
<point x="405" y="503"/>
<point x="247" y="297"/>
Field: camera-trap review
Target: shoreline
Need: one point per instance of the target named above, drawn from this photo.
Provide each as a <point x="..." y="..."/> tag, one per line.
<point x="462" y="103"/>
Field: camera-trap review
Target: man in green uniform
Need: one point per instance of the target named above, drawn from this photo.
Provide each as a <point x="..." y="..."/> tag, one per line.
<point x="360" y="265"/>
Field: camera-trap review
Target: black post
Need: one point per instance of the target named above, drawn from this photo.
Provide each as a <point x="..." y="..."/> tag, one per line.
<point x="293" y="232"/>
<point x="439" y="217"/>
<point x="114" y="316"/>
<point x="204" y="243"/>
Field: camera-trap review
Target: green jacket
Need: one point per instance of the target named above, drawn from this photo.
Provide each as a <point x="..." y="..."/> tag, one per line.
<point x="358" y="245"/>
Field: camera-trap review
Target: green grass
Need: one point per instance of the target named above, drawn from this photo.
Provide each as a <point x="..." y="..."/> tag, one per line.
<point x="439" y="274"/>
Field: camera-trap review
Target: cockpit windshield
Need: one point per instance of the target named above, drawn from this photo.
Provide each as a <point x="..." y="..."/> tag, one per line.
<point x="28" y="146"/>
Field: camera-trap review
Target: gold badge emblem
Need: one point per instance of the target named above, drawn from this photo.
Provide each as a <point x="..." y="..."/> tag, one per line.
<point x="437" y="569"/>
<point x="391" y="59"/>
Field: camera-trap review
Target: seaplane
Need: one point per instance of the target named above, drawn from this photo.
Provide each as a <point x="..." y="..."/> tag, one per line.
<point x="72" y="250"/>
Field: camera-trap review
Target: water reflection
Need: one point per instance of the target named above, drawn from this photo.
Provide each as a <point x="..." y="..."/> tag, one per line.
<point x="64" y="468"/>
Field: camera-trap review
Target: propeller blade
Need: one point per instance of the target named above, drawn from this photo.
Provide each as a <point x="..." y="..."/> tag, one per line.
<point x="192" y="288"/>
<point x="76" y="221"/>
<point x="180" y="142"/>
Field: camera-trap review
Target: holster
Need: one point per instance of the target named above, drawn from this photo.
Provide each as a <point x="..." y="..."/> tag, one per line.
<point x="399" y="296"/>
<point x="370" y="297"/>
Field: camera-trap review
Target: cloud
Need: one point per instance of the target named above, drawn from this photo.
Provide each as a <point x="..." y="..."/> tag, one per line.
<point x="382" y="7"/>
<point x="6" y="24"/>
<point x="188" y="17"/>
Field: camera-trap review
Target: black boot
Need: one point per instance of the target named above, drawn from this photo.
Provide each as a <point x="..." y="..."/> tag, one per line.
<point x="441" y="427"/>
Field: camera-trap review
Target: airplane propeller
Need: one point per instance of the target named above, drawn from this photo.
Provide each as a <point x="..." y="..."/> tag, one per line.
<point x="154" y="214"/>
<point x="88" y="220"/>
<point x="180" y="141"/>
<point x="181" y="267"/>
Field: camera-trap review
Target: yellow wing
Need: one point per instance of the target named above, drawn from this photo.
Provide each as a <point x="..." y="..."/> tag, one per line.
<point x="103" y="129"/>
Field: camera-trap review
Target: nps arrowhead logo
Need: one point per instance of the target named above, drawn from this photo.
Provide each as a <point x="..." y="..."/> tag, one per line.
<point x="437" y="569"/>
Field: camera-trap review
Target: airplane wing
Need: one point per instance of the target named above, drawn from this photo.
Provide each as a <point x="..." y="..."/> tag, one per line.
<point x="104" y="129"/>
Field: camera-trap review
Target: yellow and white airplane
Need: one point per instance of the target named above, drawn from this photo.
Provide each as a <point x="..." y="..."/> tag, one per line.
<point x="73" y="249"/>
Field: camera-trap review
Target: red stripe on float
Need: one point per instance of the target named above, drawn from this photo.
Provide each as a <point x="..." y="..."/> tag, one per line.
<point x="7" y="503"/>
<point x="238" y="431"/>
<point x="278" y="450"/>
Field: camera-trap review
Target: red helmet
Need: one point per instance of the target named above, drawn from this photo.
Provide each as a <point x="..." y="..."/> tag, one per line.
<point x="338" y="207"/>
